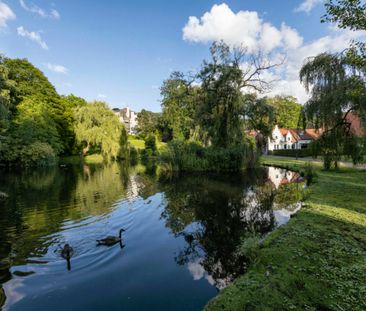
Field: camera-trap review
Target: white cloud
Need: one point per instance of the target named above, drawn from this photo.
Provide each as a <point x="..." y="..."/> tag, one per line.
<point x="55" y="14"/>
<point x="307" y="5"/>
<point x="243" y="27"/>
<point x="32" y="35"/>
<point x="102" y="95"/>
<point x="39" y="11"/>
<point x="5" y="14"/>
<point x="289" y="83"/>
<point x="57" y="68"/>
<point x="246" y="28"/>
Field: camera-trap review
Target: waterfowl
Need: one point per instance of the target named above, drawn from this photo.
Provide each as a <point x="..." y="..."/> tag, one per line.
<point x="67" y="252"/>
<point x="111" y="240"/>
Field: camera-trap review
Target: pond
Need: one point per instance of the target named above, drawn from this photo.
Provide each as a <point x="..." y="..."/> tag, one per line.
<point x="181" y="244"/>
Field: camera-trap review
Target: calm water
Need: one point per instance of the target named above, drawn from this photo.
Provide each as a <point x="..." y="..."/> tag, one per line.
<point x="181" y="239"/>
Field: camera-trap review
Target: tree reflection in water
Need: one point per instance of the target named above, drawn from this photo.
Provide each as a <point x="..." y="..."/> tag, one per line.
<point x="214" y="214"/>
<point x="40" y="201"/>
<point x="210" y="213"/>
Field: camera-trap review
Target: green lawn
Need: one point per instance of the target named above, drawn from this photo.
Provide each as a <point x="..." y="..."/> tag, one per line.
<point x="315" y="262"/>
<point x="140" y="144"/>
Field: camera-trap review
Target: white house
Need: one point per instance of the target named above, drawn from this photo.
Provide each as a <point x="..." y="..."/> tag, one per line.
<point x="283" y="138"/>
<point x="128" y="118"/>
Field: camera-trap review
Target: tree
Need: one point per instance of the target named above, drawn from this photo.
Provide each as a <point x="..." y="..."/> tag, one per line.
<point x="347" y="13"/>
<point x="223" y="80"/>
<point x="148" y="122"/>
<point x="97" y="125"/>
<point x="178" y="105"/>
<point x="69" y="103"/>
<point x="29" y="80"/>
<point x="6" y="103"/>
<point x="287" y="111"/>
<point x="259" y="115"/>
<point x="337" y="89"/>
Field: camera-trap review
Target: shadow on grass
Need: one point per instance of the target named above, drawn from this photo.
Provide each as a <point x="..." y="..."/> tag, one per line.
<point x="316" y="262"/>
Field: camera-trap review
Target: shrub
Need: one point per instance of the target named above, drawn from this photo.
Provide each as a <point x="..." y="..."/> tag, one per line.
<point x="37" y="154"/>
<point x="188" y="157"/>
<point x="150" y="143"/>
<point x="310" y="173"/>
<point x="301" y="153"/>
<point x="250" y="247"/>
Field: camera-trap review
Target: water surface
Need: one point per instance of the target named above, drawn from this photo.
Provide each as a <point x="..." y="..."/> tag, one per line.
<point x="181" y="240"/>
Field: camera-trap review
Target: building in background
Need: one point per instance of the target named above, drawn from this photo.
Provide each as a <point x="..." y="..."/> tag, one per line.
<point x="128" y="118"/>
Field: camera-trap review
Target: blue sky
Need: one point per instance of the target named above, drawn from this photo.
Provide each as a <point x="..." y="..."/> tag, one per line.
<point x="121" y="51"/>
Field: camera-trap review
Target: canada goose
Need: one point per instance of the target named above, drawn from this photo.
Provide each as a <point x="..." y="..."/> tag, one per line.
<point x="67" y="252"/>
<point x="111" y="240"/>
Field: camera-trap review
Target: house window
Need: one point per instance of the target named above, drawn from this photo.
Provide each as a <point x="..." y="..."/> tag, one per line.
<point x="276" y="137"/>
<point x="285" y="146"/>
<point x="293" y="146"/>
<point x="288" y="138"/>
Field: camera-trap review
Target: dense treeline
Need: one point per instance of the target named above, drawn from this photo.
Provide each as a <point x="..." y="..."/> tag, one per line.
<point x="204" y="116"/>
<point x="37" y="124"/>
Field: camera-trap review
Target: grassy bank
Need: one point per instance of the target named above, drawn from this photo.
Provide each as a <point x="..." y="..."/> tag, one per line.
<point x="140" y="143"/>
<point x="315" y="262"/>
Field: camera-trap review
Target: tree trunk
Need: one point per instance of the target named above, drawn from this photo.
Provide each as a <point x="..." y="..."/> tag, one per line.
<point x="86" y="150"/>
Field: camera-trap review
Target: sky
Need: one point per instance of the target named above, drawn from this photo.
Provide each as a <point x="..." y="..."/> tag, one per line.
<point x="121" y="51"/>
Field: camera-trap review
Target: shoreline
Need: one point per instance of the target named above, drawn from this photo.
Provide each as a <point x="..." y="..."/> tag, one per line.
<point x="315" y="261"/>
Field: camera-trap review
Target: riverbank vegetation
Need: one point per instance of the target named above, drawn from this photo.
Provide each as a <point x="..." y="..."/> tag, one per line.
<point x="37" y="125"/>
<point x="317" y="260"/>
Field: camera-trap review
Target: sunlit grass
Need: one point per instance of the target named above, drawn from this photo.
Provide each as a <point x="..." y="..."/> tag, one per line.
<point x="318" y="260"/>
<point x="140" y="144"/>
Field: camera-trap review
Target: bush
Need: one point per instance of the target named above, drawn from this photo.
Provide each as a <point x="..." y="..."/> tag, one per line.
<point x="150" y="143"/>
<point x="190" y="157"/>
<point x="310" y="173"/>
<point x="37" y="154"/>
<point x="301" y="153"/>
<point x="250" y="247"/>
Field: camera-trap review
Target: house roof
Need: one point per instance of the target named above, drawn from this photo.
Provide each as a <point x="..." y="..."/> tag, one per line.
<point x="356" y="124"/>
<point x="251" y="132"/>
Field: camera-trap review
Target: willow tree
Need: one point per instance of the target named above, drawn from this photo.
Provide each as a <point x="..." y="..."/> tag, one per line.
<point x="337" y="89"/>
<point x="97" y="126"/>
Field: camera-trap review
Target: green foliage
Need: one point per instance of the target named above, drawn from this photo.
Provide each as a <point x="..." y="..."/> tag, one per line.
<point x="6" y="102"/>
<point x="337" y="89"/>
<point x="178" y="105"/>
<point x="150" y="143"/>
<point x="310" y="173"/>
<point x="346" y="13"/>
<point x="287" y="111"/>
<point x="259" y="115"/>
<point x="37" y="154"/>
<point x="187" y="156"/>
<point x="301" y="153"/>
<point x="97" y="125"/>
<point x="316" y="260"/>
<point x="29" y="80"/>
<point x="250" y="247"/>
<point x="34" y="124"/>
<point x="148" y="122"/>
<point x="222" y="106"/>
